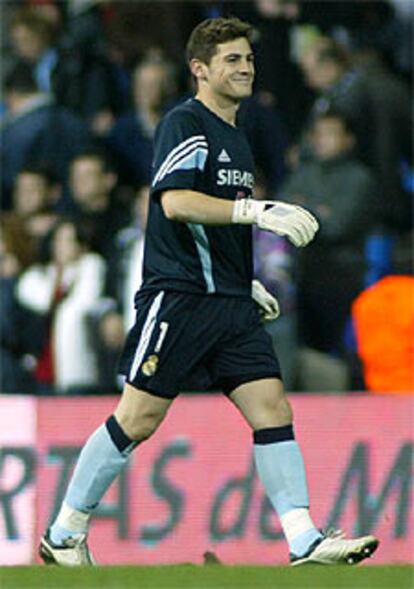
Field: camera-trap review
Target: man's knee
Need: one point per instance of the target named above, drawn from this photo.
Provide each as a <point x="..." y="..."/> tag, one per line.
<point x="272" y="400"/>
<point x="263" y="404"/>
<point x="139" y="414"/>
<point x="140" y="427"/>
<point x="277" y="406"/>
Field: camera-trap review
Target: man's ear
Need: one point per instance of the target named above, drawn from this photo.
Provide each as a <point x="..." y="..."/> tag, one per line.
<point x="198" y="69"/>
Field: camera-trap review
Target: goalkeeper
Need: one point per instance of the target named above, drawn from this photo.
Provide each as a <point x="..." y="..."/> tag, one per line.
<point x="198" y="311"/>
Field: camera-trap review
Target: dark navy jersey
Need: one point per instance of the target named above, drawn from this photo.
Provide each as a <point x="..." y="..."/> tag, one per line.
<point x="194" y="149"/>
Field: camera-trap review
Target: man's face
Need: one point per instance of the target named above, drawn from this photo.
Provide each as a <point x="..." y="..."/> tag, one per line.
<point x="330" y="139"/>
<point x="31" y="194"/>
<point x="65" y="245"/>
<point x="88" y="179"/>
<point x="319" y="75"/>
<point x="27" y="44"/>
<point x="149" y="84"/>
<point x="230" y="73"/>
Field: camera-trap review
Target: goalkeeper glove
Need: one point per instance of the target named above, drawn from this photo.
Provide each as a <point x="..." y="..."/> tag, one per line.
<point x="268" y="305"/>
<point x="291" y="221"/>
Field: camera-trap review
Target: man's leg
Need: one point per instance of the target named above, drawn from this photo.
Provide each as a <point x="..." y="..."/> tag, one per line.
<point x="278" y="458"/>
<point x="281" y="469"/>
<point x="103" y="457"/>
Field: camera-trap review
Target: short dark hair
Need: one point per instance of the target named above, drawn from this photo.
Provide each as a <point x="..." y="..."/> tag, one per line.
<point x="94" y="153"/>
<point x="204" y="39"/>
<point x="81" y="228"/>
<point x="21" y="79"/>
<point x="40" y="169"/>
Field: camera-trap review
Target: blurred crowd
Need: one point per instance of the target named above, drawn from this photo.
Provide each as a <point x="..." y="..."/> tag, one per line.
<point x="84" y="85"/>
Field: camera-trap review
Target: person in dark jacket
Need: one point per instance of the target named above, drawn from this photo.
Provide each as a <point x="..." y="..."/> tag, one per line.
<point x="342" y="193"/>
<point x="35" y="130"/>
<point x="97" y="203"/>
<point x="130" y="139"/>
<point x="21" y="332"/>
<point x="33" y="39"/>
<point x="378" y="105"/>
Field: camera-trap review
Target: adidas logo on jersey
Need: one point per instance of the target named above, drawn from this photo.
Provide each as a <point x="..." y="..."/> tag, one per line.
<point x="223" y="157"/>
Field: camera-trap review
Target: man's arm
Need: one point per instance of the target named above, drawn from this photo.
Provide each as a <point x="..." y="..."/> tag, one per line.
<point x="291" y="221"/>
<point x="189" y="206"/>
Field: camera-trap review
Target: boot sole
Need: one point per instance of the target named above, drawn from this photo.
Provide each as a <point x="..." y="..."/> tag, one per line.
<point x="354" y="557"/>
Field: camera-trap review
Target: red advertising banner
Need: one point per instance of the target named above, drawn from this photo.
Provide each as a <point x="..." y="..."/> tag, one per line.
<point x="17" y="479"/>
<point x="193" y="488"/>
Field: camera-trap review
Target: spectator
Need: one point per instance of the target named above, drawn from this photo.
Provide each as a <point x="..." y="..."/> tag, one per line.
<point x="341" y="191"/>
<point x="130" y="139"/>
<point x="402" y="27"/>
<point x="35" y="130"/>
<point x="64" y="292"/>
<point x="35" y="194"/>
<point x="83" y="80"/>
<point x="92" y="183"/>
<point x="33" y="41"/>
<point x="384" y="28"/>
<point x="20" y="330"/>
<point x="378" y="106"/>
<point x="384" y="339"/>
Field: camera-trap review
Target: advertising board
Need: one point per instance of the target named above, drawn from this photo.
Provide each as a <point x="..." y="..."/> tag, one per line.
<point x="192" y="488"/>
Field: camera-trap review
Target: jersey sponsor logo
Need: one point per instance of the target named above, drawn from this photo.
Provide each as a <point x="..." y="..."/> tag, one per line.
<point x="224" y="157"/>
<point x="235" y="178"/>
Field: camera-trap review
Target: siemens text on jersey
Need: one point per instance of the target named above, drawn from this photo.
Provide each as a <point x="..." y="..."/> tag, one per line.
<point x="227" y="177"/>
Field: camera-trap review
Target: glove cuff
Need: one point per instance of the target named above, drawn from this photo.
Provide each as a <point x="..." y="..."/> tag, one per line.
<point x="245" y="211"/>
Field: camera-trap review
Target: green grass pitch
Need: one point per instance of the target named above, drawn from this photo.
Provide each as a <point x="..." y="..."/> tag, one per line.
<point x="208" y="577"/>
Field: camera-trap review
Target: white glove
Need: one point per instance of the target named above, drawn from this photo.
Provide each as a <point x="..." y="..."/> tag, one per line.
<point x="268" y="305"/>
<point x="291" y="221"/>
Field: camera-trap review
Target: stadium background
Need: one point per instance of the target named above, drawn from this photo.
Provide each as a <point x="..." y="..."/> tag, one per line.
<point x="192" y="490"/>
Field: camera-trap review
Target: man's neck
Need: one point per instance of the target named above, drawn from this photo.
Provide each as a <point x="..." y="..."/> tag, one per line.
<point x="222" y="107"/>
<point x="150" y="117"/>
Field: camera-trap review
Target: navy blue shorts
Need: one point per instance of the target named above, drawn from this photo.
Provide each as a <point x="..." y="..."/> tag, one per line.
<point x="183" y="342"/>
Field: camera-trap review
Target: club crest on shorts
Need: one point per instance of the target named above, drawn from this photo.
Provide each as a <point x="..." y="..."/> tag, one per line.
<point x="150" y="365"/>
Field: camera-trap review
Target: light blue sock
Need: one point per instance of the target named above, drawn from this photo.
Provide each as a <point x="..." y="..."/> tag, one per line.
<point x="99" y="463"/>
<point x="282" y="472"/>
